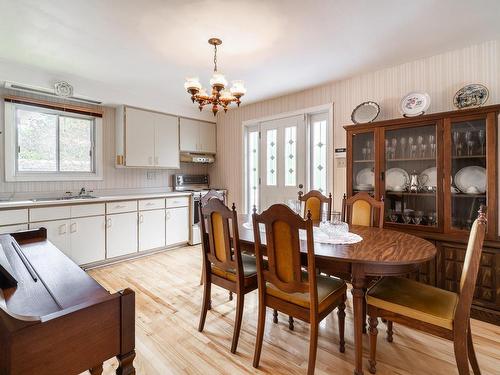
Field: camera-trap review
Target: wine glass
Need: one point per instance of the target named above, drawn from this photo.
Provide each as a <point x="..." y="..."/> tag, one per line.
<point x="469" y="142"/>
<point x="456" y="140"/>
<point x="417" y="219"/>
<point x="394" y="144"/>
<point x="364" y="152"/>
<point x="407" y="218"/>
<point x="402" y="141"/>
<point x="423" y="150"/>
<point x="481" y="134"/>
<point x="393" y="216"/>
<point x="413" y="151"/>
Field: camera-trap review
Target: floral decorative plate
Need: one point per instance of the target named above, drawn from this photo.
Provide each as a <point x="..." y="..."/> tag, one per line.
<point x="365" y="112"/>
<point x="471" y="96"/>
<point x="415" y="104"/>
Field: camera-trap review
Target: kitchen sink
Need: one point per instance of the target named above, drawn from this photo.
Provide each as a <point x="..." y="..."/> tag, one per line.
<point x="65" y="198"/>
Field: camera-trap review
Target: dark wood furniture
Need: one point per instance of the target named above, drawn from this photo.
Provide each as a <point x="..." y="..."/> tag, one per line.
<point x="313" y="203"/>
<point x="382" y="252"/>
<point x="223" y="263"/>
<point x="284" y="286"/>
<point x="58" y="320"/>
<point x="446" y="213"/>
<point x="362" y="209"/>
<point x="430" y="309"/>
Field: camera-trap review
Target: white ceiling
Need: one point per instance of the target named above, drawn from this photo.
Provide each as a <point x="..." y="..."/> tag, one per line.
<point x="139" y="52"/>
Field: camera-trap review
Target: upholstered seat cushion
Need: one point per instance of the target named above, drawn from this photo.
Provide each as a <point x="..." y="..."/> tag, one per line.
<point x="414" y="300"/>
<point x="249" y="268"/>
<point x="328" y="290"/>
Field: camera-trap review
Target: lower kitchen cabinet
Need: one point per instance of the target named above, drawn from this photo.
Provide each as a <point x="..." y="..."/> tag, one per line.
<point x="88" y="239"/>
<point x="81" y="239"/>
<point x="151" y="229"/>
<point x="177" y="225"/>
<point x="121" y="234"/>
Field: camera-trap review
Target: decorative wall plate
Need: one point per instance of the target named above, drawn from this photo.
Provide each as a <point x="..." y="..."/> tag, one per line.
<point x="472" y="95"/>
<point x="63" y="89"/>
<point x="365" y="112"/>
<point x="415" y="104"/>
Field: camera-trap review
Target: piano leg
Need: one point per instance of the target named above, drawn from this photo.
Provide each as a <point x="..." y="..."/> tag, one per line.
<point x="125" y="364"/>
<point x="97" y="370"/>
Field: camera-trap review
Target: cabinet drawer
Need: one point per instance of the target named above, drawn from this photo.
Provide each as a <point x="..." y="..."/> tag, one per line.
<point x="82" y="210"/>
<point x="49" y="213"/>
<point x="9" y="217"/>
<point x="177" y="202"/>
<point x="13" y="228"/>
<point x="119" y="207"/>
<point x="151" y="204"/>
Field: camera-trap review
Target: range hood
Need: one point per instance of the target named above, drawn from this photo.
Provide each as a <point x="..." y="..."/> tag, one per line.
<point x="191" y="157"/>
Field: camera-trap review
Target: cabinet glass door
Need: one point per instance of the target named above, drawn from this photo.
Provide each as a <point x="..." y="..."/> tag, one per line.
<point x="363" y="163"/>
<point x="411" y="176"/>
<point x="468" y="171"/>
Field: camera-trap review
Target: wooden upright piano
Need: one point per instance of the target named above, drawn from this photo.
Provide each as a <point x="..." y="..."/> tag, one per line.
<point x="54" y="318"/>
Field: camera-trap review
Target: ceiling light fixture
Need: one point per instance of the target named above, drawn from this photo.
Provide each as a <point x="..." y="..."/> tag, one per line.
<point x="220" y="95"/>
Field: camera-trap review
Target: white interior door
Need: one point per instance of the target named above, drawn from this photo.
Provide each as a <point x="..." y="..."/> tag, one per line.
<point x="283" y="159"/>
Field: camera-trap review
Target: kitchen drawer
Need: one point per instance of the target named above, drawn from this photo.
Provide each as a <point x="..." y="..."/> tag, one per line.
<point x="120" y="207"/>
<point x="13" y="228"/>
<point x="49" y="213"/>
<point x="83" y="210"/>
<point x="177" y="202"/>
<point x="151" y="204"/>
<point x="8" y="217"/>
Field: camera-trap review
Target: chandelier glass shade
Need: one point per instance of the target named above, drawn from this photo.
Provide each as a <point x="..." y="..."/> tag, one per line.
<point x="220" y="96"/>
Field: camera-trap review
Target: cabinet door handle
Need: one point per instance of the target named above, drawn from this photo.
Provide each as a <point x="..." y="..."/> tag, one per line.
<point x="119" y="206"/>
<point x="62" y="229"/>
<point x="108" y="223"/>
<point x="167" y="215"/>
<point x="73" y="228"/>
<point x="141" y="219"/>
<point x="149" y="204"/>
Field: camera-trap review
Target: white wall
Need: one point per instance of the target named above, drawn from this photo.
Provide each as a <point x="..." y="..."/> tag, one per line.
<point x="441" y="76"/>
<point x="115" y="179"/>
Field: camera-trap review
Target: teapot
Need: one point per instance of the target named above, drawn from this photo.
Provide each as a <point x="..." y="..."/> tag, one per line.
<point x="417" y="181"/>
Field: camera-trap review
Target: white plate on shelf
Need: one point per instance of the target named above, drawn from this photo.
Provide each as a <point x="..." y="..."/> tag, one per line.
<point x="396" y="178"/>
<point x="363" y="187"/>
<point x="431" y="179"/>
<point x="365" y="177"/>
<point x="415" y="104"/>
<point x="469" y="177"/>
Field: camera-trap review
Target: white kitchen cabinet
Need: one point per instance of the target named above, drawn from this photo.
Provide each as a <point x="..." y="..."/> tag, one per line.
<point x="177" y="225"/>
<point x="57" y="233"/>
<point x="198" y="136"/>
<point x="13" y="228"/>
<point x="151" y="229"/>
<point x="121" y="236"/>
<point x="146" y="139"/>
<point x="87" y="239"/>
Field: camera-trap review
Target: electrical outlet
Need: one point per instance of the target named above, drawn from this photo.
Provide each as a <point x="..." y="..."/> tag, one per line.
<point x="341" y="163"/>
<point x="151" y="175"/>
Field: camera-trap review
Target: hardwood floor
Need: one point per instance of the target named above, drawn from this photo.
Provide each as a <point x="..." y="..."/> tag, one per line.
<point x="168" y="297"/>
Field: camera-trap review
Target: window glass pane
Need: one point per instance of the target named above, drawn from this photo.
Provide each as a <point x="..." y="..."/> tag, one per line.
<point x="37" y="141"/>
<point x="290" y="156"/>
<point x="253" y="169"/>
<point x="319" y="155"/>
<point x="75" y="144"/>
<point x="271" y="157"/>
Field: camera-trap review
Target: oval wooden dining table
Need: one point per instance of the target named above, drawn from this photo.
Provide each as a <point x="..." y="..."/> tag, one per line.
<point x="382" y="252"/>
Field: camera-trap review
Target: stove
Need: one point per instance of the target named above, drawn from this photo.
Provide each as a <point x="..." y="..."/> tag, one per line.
<point x="198" y="185"/>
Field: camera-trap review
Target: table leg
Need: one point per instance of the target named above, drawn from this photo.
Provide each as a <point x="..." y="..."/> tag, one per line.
<point x="358" y="298"/>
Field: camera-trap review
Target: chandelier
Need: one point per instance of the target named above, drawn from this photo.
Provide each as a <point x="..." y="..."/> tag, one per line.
<point x="220" y="97"/>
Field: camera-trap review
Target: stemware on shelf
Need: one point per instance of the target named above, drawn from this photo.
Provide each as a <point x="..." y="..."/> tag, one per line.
<point x="481" y="134"/>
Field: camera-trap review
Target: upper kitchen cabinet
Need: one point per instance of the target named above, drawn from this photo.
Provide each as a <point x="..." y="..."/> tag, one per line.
<point x="198" y="136"/>
<point x="146" y="139"/>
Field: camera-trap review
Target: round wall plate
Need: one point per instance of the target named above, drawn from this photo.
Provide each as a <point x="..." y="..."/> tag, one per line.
<point x="415" y="104"/>
<point x="472" y="95"/>
<point x="365" y="112"/>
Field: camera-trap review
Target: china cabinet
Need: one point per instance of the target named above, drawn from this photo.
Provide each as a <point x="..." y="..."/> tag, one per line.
<point x="433" y="172"/>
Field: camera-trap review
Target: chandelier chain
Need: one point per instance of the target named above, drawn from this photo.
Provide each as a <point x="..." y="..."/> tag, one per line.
<point x="215" y="58"/>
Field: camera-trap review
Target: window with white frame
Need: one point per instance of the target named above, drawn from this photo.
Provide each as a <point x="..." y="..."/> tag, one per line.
<point x="318" y="135"/>
<point x="44" y="144"/>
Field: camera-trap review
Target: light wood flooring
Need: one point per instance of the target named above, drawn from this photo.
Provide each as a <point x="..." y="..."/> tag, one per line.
<point x="168" y="299"/>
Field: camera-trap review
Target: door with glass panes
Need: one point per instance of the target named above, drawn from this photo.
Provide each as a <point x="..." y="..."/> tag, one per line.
<point x="283" y="160"/>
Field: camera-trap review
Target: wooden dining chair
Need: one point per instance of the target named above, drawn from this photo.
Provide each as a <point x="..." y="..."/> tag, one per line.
<point x="426" y="308"/>
<point x="223" y="263"/>
<point x="361" y="209"/>
<point x="314" y="202"/>
<point x="284" y="286"/>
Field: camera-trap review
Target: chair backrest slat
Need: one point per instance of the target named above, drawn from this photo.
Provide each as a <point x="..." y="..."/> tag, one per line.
<point x="219" y="228"/>
<point x="361" y="209"/>
<point x="283" y="246"/>
<point x="313" y="203"/>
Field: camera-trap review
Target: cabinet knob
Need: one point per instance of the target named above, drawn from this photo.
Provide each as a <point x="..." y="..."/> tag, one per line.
<point x="108" y="223"/>
<point x="73" y="228"/>
<point x="141" y="219"/>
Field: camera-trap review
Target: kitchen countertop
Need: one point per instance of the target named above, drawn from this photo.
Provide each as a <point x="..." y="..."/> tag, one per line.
<point x="100" y="199"/>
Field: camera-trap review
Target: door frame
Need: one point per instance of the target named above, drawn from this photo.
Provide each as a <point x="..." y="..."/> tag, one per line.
<point x="306" y="112"/>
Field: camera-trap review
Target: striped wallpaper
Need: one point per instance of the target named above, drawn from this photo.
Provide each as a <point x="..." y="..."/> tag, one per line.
<point x="115" y="180"/>
<point x="441" y="76"/>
